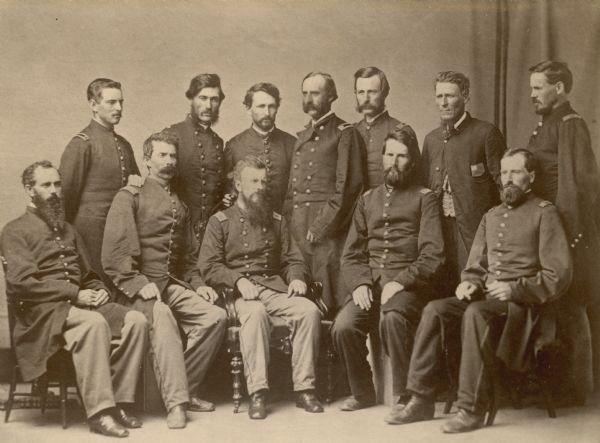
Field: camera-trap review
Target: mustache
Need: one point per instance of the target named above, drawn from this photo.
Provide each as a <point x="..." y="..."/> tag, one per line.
<point x="169" y="169"/>
<point x="364" y="106"/>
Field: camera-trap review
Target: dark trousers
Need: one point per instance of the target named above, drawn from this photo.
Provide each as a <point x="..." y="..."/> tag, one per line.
<point x="439" y="329"/>
<point x="457" y="254"/>
<point x="397" y="324"/>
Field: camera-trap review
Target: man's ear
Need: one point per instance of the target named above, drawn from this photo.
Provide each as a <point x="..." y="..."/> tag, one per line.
<point x="531" y="177"/>
<point x="560" y="87"/>
<point x="29" y="190"/>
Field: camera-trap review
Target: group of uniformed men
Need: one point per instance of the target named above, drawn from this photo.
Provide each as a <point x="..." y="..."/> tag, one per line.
<point x="464" y="235"/>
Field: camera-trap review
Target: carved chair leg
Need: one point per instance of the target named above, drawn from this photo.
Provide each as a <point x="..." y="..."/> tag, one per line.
<point x="63" y="400"/>
<point x="11" y="393"/>
<point x="236" y="372"/>
<point x="42" y="389"/>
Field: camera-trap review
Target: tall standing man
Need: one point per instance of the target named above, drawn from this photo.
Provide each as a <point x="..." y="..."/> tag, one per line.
<point x="96" y="163"/>
<point x="264" y="140"/>
<point x="371" y="88"/>
<point x="568" y="176"/>
<point x="325" y="179"/>
<point x="201" y="175"/>
<point x="461" y="164"/>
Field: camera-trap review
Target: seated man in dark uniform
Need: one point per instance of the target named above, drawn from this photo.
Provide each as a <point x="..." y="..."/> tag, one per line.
<point x="61" y="303"/>
<point x="393" y="252"/>
<point x="519" y="263"/>
<point x="249" y="247"/>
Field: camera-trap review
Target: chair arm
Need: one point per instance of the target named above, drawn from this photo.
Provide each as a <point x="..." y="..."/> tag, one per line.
<point x="315" y="289"/>
<point x="228" y="295"/>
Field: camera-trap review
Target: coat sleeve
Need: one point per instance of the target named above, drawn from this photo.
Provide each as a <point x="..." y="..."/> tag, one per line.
<point x="89" y="279"/>
<point x="494" y="149"/>
<point x="191" y="273"/>
<point x="291" y="261"/>
<point x="24" y="278"/>
<point x="74" y="165"/>
<point x="554" y="276"/>
<point x="211" y="261"/>
<point x="430" y="244"/>
<point x="337" y="212"/>
<point x="355" y="267"/>
<point x="477" y="264"/>
<point x="121" y="252"/>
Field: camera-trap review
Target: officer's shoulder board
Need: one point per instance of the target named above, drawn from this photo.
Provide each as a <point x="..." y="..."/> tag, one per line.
<point x="493" y="208"/>
<point x="425" y="191"/>
<point x="367" y="192"/>
<point x="277" y="216"/>
<point x="344" y="126"/>
<point x="133" y="190"/>
<point x="83" y="136"/>
<point x="544" y="203"/>
<point x="568" y="117"/>
<point x="221" y="216"/>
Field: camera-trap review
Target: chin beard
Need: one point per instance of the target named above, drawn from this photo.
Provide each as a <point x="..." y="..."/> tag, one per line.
<point x="259" y="209"/>
<point x="396" y="178"/>
<point x="51" y="210"/>
<point x="513" y="195"/>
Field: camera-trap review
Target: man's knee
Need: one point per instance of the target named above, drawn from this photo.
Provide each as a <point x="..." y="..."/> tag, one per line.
<point x="392" y="320"/>
<point x="437" y="308"/>
<point x="251" y="311"/>
<point x="307" y="310"/>
<point x="137" y="320"/>
<point x="344" y="325"/>
<point x="217" y="316"/>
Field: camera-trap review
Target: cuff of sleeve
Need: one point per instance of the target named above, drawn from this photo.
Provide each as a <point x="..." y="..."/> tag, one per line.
<point x="234" y="279"/>
<point x="296" y="276"/>
<point x="197" y="282"/>
<point x="72" y="292"/>
<point x="133" y="286"/>
<point x="405" y="278"/>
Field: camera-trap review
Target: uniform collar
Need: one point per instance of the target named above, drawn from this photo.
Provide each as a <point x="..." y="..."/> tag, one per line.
<point x="322" y="120"/>
<point x="457" y="128"/>
<point x="376" y="119"/>
<point x="94" y="124"/>
<point x="559" y="112"/>
<point x="262" y="133"/>
<point x="196" y="122"/>
<point x="153" y="182"/>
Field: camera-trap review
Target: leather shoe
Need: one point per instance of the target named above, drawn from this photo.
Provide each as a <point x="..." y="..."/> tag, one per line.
<point x="199" y="405"/>
<point x="401" y="404"/>
<point x="463" y="421"/>
<point x="417" y="409"/>
<point x="258" y="406"/>
<point x="126" y="419"/>
<point x="176" y="418"/>
<point x="354" y="404"/>
<point x="105" y="424"/>
<point x="308" y="401"/>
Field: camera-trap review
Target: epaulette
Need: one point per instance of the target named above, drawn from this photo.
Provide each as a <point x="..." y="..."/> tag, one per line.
<point x="401" y="126"/>
<point x="544" y="203"/>
<point x="425" y="191"/>
<point x="568" y="117"/>
<point x="133" y="190"/>
<point x="493" y="208"/>
<point x="345" y="126"/>
<point x="277" y="216"/>
<point x="221" y="216"/>
<point x="367" y="192"/>
<point x="82" y="136"/>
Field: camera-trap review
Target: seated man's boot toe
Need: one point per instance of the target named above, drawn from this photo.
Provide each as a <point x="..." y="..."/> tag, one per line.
<point x="417" y="409"/>
<point x="105" y="424"/>
<point x="463" y="421"/>
<point x="258" y="406"/>
<point x="308" y="401"/>
<point x="126" y="418"/>
<point x="177" y="418"/>
<point x="199" y="405"/>
<point x="354" y="404"/>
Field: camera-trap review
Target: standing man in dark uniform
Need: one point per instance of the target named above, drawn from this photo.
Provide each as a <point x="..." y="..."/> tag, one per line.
<point x="325" y="179"/>
<point x="371" y="88"/>
<point x="461" y="164"/>
<point x="150" y="253"/>
<point x="249" y="247"/>
<point x="61" y="303"/>
<point x="393" y="252"/>
<point x="568" y="177"/>
<point x="201" y="175"/>
<point x="518" y="266"/>
<point x="263" y="140"/>
<point x="96" y="163"/>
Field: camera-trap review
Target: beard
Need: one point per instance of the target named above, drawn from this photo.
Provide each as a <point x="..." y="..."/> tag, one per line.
<point x="265" y="123"/>
<point x="259" y="209"/>
<point x="541" y="109"/>
<point x="513" y="195"/>
<point x="396" y="178"/>
<point x="51" y="210"/>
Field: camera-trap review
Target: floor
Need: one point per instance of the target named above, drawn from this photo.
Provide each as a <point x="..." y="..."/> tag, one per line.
<point x="286" y="423"/>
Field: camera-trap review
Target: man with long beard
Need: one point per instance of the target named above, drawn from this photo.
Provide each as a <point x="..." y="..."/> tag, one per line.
<point x="393" y="252"/>
<point x="61" y="303"/>
<point x="518" y="267"/>
<point x="249" y="247"/>
<point x="201" y="176"/>
<point x="149" y="252"/>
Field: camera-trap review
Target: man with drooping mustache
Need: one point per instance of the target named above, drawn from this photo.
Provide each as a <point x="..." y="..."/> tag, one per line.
<point x="249" y="247"/>
<point x="96" y="163"/>
<point x="518" y="267"/>
<point x="264" y="140"/>
<point x="150" y="252"/>
<point x="371" y="89"/>
<point x="201" y="176"/>
<point x="391" y="258"/>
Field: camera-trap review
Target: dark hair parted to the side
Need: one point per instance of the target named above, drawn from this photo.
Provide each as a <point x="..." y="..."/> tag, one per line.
<point x="555" y="72"/>
<point x="329" y="83"/>
<point x="408" y="140"/>
<point x="27" y="177"/>
<point x="202" y="81"/>
<point x="165" y="136"/>
<point x="458" y="78"/>
<point x="267" y="88"/>
<point x="94" y="89"/>
<point x="371" y="71"/>
<point x="250" y="161"/>
<point x="531" y="163"/>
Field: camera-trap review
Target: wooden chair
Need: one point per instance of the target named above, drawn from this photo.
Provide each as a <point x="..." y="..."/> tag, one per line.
<point x="60" y="371"/>
<point x="280" y="340"/>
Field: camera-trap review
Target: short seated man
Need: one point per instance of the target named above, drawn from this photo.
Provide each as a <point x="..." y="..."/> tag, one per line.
<point x="61" y="303"/>
<point x="393" y="251"/>
<point x="520" y="261"/>
<point x="149" y="252"/>
<point x="248" y="247"/>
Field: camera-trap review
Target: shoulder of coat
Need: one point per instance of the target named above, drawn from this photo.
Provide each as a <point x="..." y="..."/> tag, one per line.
<point x="83" y="136"/>
<point x="345" y="126"/>
<point x="425" y="191"/>
<point x="568" y="117"/>
<point x="221" y="216"/>
<point x="544" y="203"/>
<point x="132" y="189"/>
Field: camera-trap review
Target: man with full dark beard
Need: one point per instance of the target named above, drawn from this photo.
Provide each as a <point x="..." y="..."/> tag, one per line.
<point x="518" y="267"/>
<point x="61" y="303"/>
<point x="150" y="253"/>
<point x="201" y="176"/>
<point x="248" y="247"/>
<point x="393" y="252"/>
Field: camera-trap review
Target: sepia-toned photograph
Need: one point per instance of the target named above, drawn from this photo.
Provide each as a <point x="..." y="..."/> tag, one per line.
<point x="300" y="221"/>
